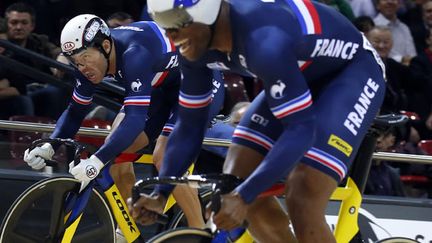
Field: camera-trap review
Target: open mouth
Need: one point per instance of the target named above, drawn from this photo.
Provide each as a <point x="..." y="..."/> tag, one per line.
<point x="184" y="45"/>
<point x="90" y="76"/>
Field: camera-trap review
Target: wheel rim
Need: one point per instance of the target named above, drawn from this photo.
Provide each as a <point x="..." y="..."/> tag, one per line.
<point x="37" y="215"/>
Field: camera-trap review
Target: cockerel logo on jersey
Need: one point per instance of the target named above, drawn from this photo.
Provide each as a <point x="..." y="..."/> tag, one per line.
<point x="136" y="85"/>
<point x="78" y="83"/>
<point x="277" y="89"/>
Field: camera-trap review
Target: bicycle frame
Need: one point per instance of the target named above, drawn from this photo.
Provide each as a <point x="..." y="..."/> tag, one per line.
<point x="351" y="198"/>
<point x="118" y="207"/>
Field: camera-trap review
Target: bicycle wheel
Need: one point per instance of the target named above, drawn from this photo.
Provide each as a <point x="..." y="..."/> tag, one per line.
<point x="397" y="240"/>
<point x="181" y="235"/>
<point x="37" y="214"/>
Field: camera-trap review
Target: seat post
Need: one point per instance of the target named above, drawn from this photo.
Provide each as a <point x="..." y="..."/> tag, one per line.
<point x="363" y="160"/>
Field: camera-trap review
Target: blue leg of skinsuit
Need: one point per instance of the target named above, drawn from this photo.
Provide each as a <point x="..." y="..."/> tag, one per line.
<point x="259" y="129"/>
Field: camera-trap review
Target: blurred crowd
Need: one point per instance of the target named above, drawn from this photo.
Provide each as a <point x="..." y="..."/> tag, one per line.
<point x="400" y="31"/>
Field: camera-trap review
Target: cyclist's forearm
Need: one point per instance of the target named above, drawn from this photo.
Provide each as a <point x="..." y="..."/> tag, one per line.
<point x="183" y="146"/>
<point x="70" y="121"/>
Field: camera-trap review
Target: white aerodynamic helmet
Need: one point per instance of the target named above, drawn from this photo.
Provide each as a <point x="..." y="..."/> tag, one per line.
<point x="83" y="31"/>
<point x="173" y="14"/>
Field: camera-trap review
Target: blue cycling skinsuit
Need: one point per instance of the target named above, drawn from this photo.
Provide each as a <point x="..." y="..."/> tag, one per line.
<point x="147" y="67"/>
<point x="323" y="85"/>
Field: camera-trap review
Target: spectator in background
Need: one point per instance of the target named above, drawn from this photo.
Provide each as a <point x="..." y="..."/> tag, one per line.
<point x="383" y="179"/>
<point x="420" y="25"/>
<point x="401" y="86"/>
<point x="395" y="99"/>
<point x="118" y="19"/>
<point x="11" y="102"/>
<point x="363" y="8"/>
<point x="21" y="22"/>
<point x="364" y="24"/>
<point x="342" y="6"/>
<point x="403" y="49"/>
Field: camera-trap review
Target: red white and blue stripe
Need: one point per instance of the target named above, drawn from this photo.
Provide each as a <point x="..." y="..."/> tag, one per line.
<point x="328" y="161"/>
<point x="254" y="137"/>
<point x="137" y="101"/>
<point x="168" y="128"/>
<point x="81" y="99"/>
<point x="195" y="101"/>
<point x="300" y="103"/>
<point x="307" y="16"/>
<point x="167" y="46"/>
<point x="303" y="64"/>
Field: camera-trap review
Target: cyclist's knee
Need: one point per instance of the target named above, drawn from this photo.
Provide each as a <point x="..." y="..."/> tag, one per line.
<point x="158" y="153"/>
<point x="140" y="142"/>
<point x="123" y="173"/>
<point x="241" y="160"/>
<point x="308" y="190"/>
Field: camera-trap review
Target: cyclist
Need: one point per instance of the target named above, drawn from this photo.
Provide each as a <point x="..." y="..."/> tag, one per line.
<point x="144" y="61"/>
<point x="323" y="85"/>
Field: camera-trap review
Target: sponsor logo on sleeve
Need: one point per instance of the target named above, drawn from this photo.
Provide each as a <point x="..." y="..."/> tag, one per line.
<point x="340" y="144"/>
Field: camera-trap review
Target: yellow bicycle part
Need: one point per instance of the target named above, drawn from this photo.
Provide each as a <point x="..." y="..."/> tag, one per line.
<point x="70" y="231"/>
<point x="121" y="214"/>
<point x="347" y="224"/>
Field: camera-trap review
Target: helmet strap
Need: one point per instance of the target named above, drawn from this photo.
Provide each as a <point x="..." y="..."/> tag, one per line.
<point x="106" y="54"/>
<point x="212" y="30"/>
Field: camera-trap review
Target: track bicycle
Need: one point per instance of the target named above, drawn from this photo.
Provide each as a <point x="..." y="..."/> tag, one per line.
<point x="350" y="195"/>
<point x="61" y="210"/>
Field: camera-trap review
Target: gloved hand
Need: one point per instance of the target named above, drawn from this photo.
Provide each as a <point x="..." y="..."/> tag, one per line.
<point x="87" y="169"/>
<point x="37" y="156"/>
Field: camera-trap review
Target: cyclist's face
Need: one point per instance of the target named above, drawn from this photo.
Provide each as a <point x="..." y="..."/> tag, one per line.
<point x="20" y="25"/>
<point x="192" y="40"/>
<point x="382" y="41"/>
<point x="91" y="63"/>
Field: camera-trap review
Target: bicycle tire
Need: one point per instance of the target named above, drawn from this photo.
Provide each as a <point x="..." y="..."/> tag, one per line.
<point x="39" y="205"/>
<point x="397" y="240"/>
<point x="181" y="235"/>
